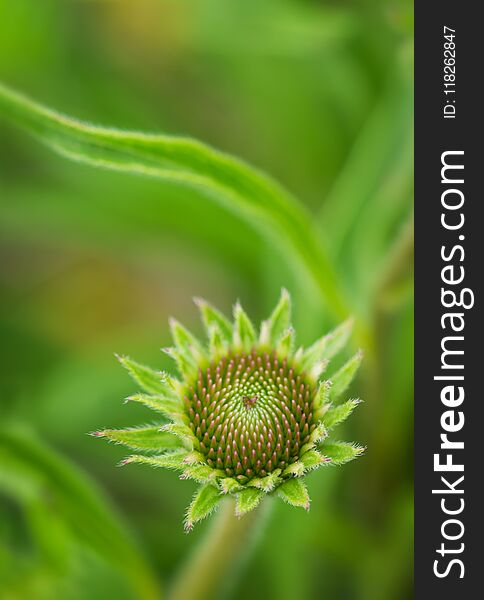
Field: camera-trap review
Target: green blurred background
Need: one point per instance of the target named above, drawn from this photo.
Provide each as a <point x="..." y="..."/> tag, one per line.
<point x="319" y="95"/>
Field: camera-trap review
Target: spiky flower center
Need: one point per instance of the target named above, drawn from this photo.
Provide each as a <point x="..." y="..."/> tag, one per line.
<point x="252" y="413"/>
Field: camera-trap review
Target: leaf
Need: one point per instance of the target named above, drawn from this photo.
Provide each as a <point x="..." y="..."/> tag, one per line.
<point x="229" y="485"/>
<point x="185" y="363"/>
<point x="267" y="483"/>
<point x="153" y="382"/>
<point x="186" y="343"/>
<point x="342" y="378"/>
<point x="222" y="178"/>
<point x="341" y="452"/>
<point x="203" y="504"/>
<point x="217" y="346"/>
<point x="337" y="414"/>
<point x="244" y="332"/>
<point x="183" y="432"/>
<point x="294" y="492"/>
<point x="279" y="321"/>
<point x="214" y="320"/>
<point x="169" y="460"/>
<point x="318" y="434"/>
<point x="39" y="481"/>
<point x="201" y="473"/>
<point x="296" y="469"/>
<point x="328" y="346"/>
<point x="312" y="460"/>
<point x="247" y="500"/>
<point x="141" y="438"/>
<point x="321" y="400"/>
<point x="285" y="346"/>
<point x="169" y="407"/>
<point x="376" y="156"/>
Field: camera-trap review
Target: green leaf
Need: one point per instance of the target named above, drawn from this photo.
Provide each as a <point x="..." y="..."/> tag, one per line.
<point x="285" y="346"/>
<point x="321" y="401"/>
<point x="341" y="380"/>
<point x="69" y="509"/>
<point x="153" y="382"/>
<point x="328" y="346"/>
<point x="268" y="483"/>
<point x="337" y="414"/>
<point x="279" y="321"/>
<point x="186" y="343"/>
<point x="244" y="332"/>
<point x="214" y="320"/>
<point x="247" y="500"/>
<point x="312" y="459"/>
<point x="201" y="473"/>
<point x="169" y="407"/>
<point x="184" y="433"/>
<point x="169" y="460"/>
<point x="341" y="452"/>
<point x="185" y="363"/>
<point x="318" y="434"/>
<point x="203" y="504"/>
<point x="141" y="438"/>
<point x="217" y="346"/>
<point x="296" y="469"/>
<point x="222" y="178"/>
<point x="229" y="485"/>
<point x="294" y="492"/>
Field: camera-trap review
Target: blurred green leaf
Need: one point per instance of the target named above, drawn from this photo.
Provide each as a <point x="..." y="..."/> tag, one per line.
<point x="38" y="480"/>
<point x="223" y="178"/>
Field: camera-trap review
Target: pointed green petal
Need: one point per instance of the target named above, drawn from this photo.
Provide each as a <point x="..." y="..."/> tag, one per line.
<point x="294" y="492"/>
<point x="341" y="452"/>
<point x="140" y="438"/>
<point x="166" y="406"/>
<point x="285" y="346"/>
<point x="153" y="382"/>
<point x="342" y="378"/>
<point x="247" y="500"/>
<point x="325" y="348"/>
<point x="216" y="344"/>
<point x="278" y="322"/>
<point x="337" y="414"/>
<point x="321" y="401"/>
<point x="186" y="343"/>
<point x="194" y="458"/>
<point x="317" y="370"/>
<point x="213" y="318"/>
<point x="312" y="460"/>
<point x="169" y="460"/>
<point x="318" y="434"/>
<point x="185" y="363"/>
<point x="203" y="504"/>
<point x="201" y="473"/>
<point x="184" y="433"/>
<point x="244" y="332"/>
<point x="229" y="485"/>
<point x="296" y="469"/>
<point x="268" y="483"/>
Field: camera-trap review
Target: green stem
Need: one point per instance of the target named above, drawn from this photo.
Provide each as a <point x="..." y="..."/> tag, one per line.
<point x="221" y="554"/>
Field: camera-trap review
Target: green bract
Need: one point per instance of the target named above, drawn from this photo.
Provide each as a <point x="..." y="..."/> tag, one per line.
<point x="249" y="415"/>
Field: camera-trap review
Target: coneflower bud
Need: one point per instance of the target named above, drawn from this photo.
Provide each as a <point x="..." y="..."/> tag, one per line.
<point x="249" y="416"/>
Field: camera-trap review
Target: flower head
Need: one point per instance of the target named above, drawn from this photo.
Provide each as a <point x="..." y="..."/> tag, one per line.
<point x="249" y="415"/>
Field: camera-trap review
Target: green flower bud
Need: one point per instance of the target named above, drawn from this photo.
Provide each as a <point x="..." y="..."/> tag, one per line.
<point x="249" y="416"/>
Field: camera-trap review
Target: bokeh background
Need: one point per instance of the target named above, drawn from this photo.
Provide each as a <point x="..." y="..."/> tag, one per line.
<point x="319" y="95"/>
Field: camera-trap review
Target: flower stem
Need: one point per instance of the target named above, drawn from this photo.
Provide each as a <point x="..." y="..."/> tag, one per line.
<point x="213" y="566"/>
